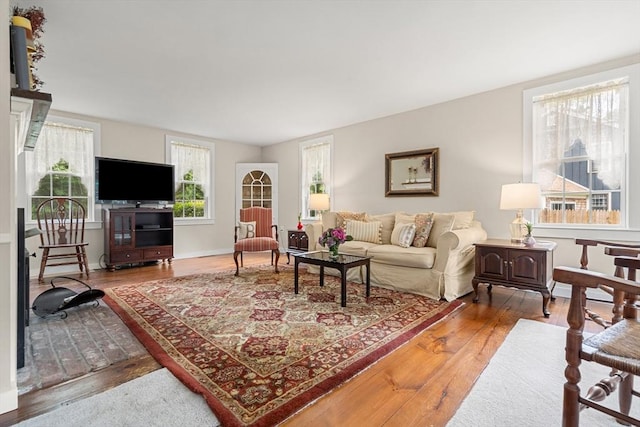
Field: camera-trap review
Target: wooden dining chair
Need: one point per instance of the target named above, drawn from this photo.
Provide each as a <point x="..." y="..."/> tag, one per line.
<point x="617" y="346"/>
<point x="61" y="223"/>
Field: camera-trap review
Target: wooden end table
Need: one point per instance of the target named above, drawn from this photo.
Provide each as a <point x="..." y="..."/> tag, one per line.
<point x="342" y="263"/>
<point x="500" y="262"/>
<point x="298" y="242"/>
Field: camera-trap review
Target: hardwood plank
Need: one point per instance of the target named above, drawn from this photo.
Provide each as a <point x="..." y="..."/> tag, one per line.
<point x="420" y="384"/>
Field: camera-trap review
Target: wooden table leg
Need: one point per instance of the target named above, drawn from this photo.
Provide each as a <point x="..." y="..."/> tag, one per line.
<point x="475" y="290"/>
<point x="546" y="296"/>
<point x="295" y="275"/>
<point x="368" y="280"/>
<point x="343" y="287"/>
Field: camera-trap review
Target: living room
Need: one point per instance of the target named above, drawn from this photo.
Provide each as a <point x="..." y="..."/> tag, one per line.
<point x="479" y="135"/>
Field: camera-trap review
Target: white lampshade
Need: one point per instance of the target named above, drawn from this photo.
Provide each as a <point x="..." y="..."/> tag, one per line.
<point x="319" y="202"/>
<point x="523" y="195"/>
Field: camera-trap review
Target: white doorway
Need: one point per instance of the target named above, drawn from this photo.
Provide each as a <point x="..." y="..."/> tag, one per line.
<point x="257" y="185"/>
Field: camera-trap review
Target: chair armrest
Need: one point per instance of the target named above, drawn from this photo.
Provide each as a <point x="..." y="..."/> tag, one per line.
<point x="235" y="233"/>
<point x="457" y="240"/>
<point x="592" y="279"/>
<point x="275" y="227"/>
<point x="314" y="231"/>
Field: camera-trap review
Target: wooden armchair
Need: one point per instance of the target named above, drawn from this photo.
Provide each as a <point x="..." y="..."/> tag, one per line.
<point x="617" y="347"/>
<point x="255" y="233"/>
<point x="61" y="223"/>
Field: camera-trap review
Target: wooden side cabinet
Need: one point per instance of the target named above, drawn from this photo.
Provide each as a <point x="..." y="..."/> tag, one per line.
<point x="298" y="243"/>
<point x="136" y="235"/>
<point x="500" y="262"/>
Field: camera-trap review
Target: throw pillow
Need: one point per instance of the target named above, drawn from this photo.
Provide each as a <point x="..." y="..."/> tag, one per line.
<point x="441" y="224"/>
<point x="462" y="219"/>
<point x="403" y="235"/>
<point x="424" y="223"/>
<point x="365" y="231"/>
<point x="247" y="230"/>
<point x="388" y="220"/>
<point x="342" y="217"/>
<point x="405" y="218"/>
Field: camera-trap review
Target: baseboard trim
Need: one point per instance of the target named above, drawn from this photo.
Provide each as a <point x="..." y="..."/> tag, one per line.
<point x="9" y="400"/>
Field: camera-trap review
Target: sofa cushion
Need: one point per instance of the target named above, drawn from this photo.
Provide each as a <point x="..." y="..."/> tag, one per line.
<point x="365" y="231"/>
<point x="343" y="216"/>
<point x="424" y="223"/>
<point x="405" y="257"/>
<point x="402" y="217"/>
<point x="329" y="220"/>
<point x="403" y="234"/>
<point x="441" y="224"/>
<point x="388" y="220"/>
<point x="356" y="247"/>
<point x="462" y="219"/>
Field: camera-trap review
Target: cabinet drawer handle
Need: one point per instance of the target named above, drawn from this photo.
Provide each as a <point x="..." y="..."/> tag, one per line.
<point x="128" y="256"/>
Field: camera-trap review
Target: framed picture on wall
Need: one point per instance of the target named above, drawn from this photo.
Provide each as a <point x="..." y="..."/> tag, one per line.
<point x="412" y="173"/>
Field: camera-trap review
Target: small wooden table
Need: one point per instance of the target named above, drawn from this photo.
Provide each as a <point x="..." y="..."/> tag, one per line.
<point x="342" y="264"/>
<point x="298" y="242"/>
<point x="500" y="262"/>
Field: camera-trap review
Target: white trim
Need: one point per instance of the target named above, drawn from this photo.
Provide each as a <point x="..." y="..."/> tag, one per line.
<point x="302" y="145"/>
<point x="22" y="197"/>
<point x="631" y="200"/>
<point x="210" y="215"/>
<point x="271" y="169"/>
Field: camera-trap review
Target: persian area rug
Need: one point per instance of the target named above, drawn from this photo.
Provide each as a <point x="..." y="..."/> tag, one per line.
<point x="258" y="352"/>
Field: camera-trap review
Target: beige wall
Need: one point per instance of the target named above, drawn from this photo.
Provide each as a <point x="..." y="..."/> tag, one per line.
<point x="134" y="142"/>
<point x="480" y="140"/>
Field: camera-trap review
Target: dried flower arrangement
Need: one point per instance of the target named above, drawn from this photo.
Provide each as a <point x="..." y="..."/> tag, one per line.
<point x="35" y="14"/>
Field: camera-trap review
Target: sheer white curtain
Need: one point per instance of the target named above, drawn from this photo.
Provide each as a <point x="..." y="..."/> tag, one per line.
<point x="190" y="157"/>
<point x="57" y="142"/>
<point x="596" y="115"/>
<point x="315" y="168"/>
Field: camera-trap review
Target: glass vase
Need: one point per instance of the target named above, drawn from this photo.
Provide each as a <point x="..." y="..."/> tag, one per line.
<point x="333" y="251"/>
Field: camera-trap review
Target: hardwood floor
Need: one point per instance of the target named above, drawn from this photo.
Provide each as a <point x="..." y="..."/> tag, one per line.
<point x="419" y="384"/>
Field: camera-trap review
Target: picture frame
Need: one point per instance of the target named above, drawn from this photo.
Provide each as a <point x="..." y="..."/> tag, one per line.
<point x="412" y="173"/>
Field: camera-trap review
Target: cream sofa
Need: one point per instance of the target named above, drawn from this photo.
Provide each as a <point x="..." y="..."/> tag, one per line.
<point x="441" y="269"/>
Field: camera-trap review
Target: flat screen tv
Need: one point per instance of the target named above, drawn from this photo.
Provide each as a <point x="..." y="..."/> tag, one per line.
<point x="128" y="181"/>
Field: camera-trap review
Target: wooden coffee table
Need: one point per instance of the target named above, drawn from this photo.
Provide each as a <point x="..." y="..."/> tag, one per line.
<point x="342" y="263"/>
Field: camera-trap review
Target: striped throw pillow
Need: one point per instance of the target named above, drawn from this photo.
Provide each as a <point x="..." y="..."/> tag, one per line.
<point x="403" y="235"/>
<point x="365" y="231"/>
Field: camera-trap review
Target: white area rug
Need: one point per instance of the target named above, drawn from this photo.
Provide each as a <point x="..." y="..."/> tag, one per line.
<point x="155" y="399"/>
<point x="523" y="383"/>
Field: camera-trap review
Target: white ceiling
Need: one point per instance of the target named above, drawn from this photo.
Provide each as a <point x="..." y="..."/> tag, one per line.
<point x="262" y="72"/>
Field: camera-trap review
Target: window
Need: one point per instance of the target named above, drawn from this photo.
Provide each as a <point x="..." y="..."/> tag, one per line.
<point x="578" y="142"/>
<point x="193" y="161"/>
<point x="62" y="164"/>
<point x="315" y="169"/>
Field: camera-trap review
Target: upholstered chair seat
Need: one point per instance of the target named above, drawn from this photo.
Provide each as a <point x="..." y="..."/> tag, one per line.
<point x="256" y="233"/>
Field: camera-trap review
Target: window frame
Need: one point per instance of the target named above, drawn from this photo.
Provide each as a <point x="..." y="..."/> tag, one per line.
<point x="304" y="188"/>
<point x="93" y="220"/>
<point x="209" y="217"/>
<point x="630" y="230"/>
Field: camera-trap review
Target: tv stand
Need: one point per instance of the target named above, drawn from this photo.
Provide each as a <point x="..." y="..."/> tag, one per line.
<point x="137" y="235"/>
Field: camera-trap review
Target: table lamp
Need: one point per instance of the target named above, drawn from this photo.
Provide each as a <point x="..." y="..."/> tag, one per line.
<point x="319" y="202"/>
<point x="520" y="196"/>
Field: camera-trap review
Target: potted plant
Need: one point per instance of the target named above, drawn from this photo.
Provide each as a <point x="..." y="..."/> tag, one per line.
<point x="528" y="240"/>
